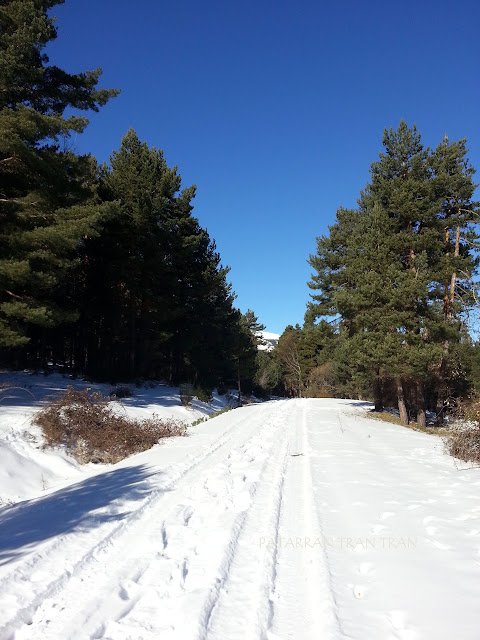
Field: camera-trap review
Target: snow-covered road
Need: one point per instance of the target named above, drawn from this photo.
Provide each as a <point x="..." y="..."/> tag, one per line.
<point x="289" y="519"/>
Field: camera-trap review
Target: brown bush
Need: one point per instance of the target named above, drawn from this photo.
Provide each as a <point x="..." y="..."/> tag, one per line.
<point x="465" y="444"/>
<point x="89" y="428"/>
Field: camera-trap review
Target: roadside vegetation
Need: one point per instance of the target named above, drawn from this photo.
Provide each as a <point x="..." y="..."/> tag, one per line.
<point x="463" y="442"/>
<point x="93" y="429"/>
<point x="107" y="274"/>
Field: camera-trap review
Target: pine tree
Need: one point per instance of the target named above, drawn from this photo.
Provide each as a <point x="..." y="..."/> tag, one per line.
<point x="246" y="342"/>
<point x="316" y="349"/>
<point x="40" y="182"/>
<point x="288" y="356"/>
<point x="384" y="270"/>
<point x="457" y="264"/>
<point x="157" y="302"/>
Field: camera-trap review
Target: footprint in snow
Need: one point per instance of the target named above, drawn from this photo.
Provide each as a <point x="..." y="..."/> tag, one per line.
<point x="386" y="514"/>
<point x="398" y="620"/>
<point x="128" y="589"/>
<point x="187" y="514"/>
<point x="440" y="545"/>
<point x="359" y="591"/>
<point x="164" y="536"/>
<point x="365" y="568"/>
<point x="377" y="528"/>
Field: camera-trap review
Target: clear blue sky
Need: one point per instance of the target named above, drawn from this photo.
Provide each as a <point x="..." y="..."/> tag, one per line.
<point x="274" y="109"/>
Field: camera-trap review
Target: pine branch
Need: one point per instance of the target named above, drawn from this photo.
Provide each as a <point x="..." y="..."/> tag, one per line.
<point x="16" y="201"/>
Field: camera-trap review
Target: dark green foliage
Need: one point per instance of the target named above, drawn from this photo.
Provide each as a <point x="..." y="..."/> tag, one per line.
<point x="287" y="353"/>
<point x="245" y="350"/>
<point x="154" y="296"/>
<point x="305" y="361"/>
<point x="268" y="374"/>
<point x="41" y="181"/>
<point x="397" y="272"/>
<point x="102" y="270"/>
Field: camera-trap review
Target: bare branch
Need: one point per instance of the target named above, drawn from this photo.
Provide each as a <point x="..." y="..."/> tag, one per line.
<point x="16" y="201"/>
<point x="13" y="295"/>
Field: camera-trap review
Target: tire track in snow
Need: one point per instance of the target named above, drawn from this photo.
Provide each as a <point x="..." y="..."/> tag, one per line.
<point x="96" y="560"/>
<point x="244" y="590"/>
<point x="304" y="602"/>
<point x="57" y="555"/>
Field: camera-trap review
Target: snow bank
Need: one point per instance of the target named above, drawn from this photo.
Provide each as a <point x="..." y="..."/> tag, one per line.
<point x="27" y="470"/>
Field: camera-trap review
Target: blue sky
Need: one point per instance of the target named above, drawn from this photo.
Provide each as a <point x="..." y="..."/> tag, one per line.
<point x="274" y="109"/>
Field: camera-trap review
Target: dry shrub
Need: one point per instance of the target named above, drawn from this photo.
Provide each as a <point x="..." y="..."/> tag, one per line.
<point x="121" y="391"/>
<point x="464" y="442"/>
<point x="89" y="428"/>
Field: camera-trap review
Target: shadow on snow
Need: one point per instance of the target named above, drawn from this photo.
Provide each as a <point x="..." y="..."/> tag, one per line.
<point x="79" y="507"/>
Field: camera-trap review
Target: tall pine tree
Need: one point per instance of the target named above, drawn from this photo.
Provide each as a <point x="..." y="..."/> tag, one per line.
<point x="390" y="270"/>
<point x="40" y="181"/>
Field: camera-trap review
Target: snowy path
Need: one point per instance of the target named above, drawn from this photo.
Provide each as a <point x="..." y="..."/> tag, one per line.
<point x="296" y="519"/>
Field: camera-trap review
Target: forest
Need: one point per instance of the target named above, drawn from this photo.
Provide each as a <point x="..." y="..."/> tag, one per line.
<point x="393" y="287"/>
<point x="105" y="271"/>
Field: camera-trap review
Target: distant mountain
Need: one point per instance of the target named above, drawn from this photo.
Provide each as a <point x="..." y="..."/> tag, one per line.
<point x="270" y="340"/>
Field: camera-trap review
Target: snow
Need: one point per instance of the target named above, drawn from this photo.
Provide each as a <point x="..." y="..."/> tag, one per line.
<point x="26" y="469"/>
<point x="286" y="519"/>
<point x="270" y="340"/>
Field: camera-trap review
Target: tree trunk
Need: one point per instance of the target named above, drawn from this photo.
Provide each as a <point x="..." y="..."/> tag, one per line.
<point x="442" y="387"/>
<point x="446" y="297"/>
<point x="420" y="401"/>
<point x="377" y="393"/>
<point x="402" y="407"/>
<point x="239" y="385"/>
<point x="133" y="341"/>
<point x="454" y="275"/>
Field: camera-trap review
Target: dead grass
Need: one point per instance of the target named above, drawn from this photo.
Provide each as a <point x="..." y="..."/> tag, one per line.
<point x="462" y="443"/>
<point x="386" y="416"/>
<point x="92" y="431"/>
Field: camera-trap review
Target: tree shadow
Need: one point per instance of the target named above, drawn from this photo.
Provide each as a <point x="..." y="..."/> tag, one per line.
<point x="361" y="403"/>
<point x="26" y="389"/>
<point x="74" y="508"/>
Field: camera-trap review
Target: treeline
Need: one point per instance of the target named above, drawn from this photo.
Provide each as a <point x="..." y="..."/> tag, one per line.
<point x="103" y="269"/>
<point x="396" y="278"/>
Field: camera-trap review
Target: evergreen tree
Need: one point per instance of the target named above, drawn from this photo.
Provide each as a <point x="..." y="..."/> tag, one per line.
<point x="384" y="267"/>
<point x="40" y="180"/>
<point x="316" y="349"/>
<point x="246" y="345"/>
<point x="454" y="284"/>
<point x="287" y="353"/>
<point x="156" y="302"/>
<point x="268" y="373"/>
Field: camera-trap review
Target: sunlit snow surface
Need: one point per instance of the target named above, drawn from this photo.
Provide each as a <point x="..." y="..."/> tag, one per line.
<point x="289" y="519"/>
<point x="269" y="340"/>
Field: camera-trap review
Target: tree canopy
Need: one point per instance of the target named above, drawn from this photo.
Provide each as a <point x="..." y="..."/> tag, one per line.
<point x="398" y="270"/>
